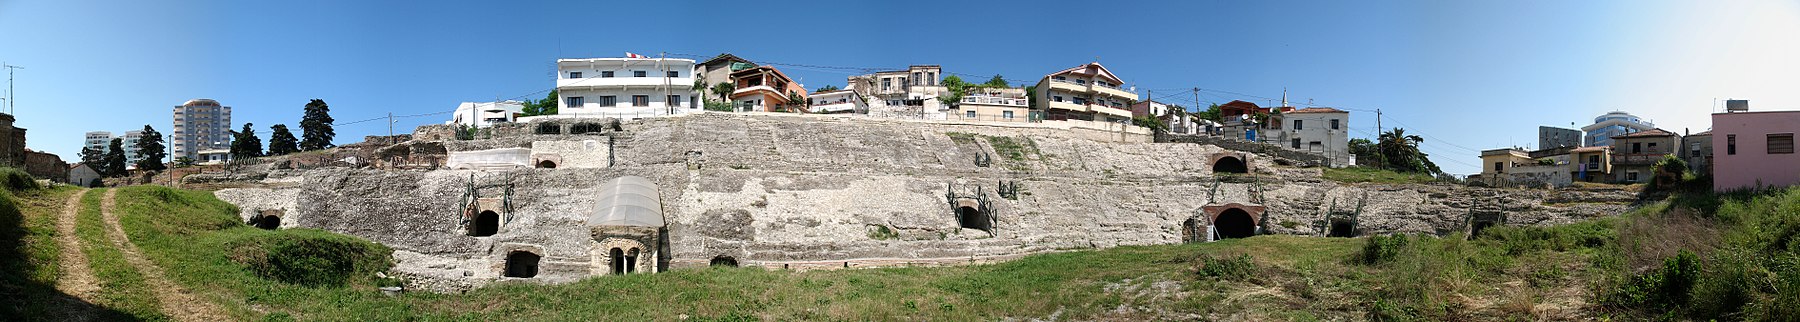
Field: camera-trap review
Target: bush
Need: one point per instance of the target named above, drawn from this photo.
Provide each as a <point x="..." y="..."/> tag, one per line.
<point x="1661" y="290"/>
<point x="1519" y="240"/>
<point x="1381" y="249"/>
<point x="17" y="180"/>
<point x="1225" y="267"/>
<point x="310" y="257"/>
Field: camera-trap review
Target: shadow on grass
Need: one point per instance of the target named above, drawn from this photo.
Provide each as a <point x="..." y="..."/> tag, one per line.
<point x="26" y="289"/>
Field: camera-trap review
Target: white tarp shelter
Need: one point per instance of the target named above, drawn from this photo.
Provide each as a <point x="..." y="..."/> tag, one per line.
<point x="490" y="159"/>
<point x="628" y="201"/>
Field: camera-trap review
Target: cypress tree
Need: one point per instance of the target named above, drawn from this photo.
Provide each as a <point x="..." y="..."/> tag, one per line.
<point x="315" y="126"/>
<point x="114" y="163"/>
<point x="281" y="141"/>
<point x="149" y="150"/>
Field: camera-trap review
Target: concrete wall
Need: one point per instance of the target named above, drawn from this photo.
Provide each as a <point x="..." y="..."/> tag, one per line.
<point x="1752" y="165"/>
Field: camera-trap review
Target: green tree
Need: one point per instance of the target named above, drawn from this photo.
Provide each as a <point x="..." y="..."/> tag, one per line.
<point x="316" y="127"/>
<point x="997" y="81"/>
<point x="281" y="141"/>
<point x="245" y="144"/>
<point x="114" y="163"/>
<point x="956" y="87"/>
<point x="826" y="88"/>
<point x="1211" y="113"/>
<point x="94" y="157"/>
<point x="700" y="83"/>
<point x="150" y="150"/>
<point x="797" y="103"/>
<point x="1400" y="152"/>
<point x="1031" y="97"/>
<point x="723" y="90"/>
<point x="545" y="106"/>
<point x="1155" y="124"/>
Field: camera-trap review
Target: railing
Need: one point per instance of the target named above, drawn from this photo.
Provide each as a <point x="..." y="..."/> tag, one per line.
<point x="995" y="100"/>
<point x="1016" y="118"/>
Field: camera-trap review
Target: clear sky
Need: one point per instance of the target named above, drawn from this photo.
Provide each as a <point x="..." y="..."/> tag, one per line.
<point x="1468" y="75"/>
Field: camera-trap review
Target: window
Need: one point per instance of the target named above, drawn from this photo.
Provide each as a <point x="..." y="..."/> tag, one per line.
<point x="638" y="73"/>
<point x="1499" y="167"/>
<point x="574" y="74"/>
<point x="1056" y="98"/>
<point x="573" y="101"/>
<point x="674" y="74"/>
<point x="1296" y="144"/>
<point x="1334" y="124"/>
<point x="606" y="74"/>
<point x="887" y="83"/>
<point x="1731" y="144"/>
<point x="1631" y="176"/>
<point x="674" y="100"/>
<point x="1782" y="143"/>
<point x="1637" y="148"/>
<point x="969" y="114"/>
<point x="916" y="77"/>
<point x="1652" y="147"/>
<point x="640" y="100"/>
<point x="1102" y="83"/>
<point x="1297" y="126"/>
<point x="1006" y="114"/>
<point x="1079" y="100"/>
<point x="609" y="100"/>
<point x="1081" y="81"/>
<point x="1059" y="78"/>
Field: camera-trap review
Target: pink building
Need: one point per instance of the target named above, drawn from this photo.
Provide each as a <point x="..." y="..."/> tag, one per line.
<point x="1755" y="148"/>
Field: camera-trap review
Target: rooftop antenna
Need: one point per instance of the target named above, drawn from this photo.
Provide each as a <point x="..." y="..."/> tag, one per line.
<point x="11" y="99"/>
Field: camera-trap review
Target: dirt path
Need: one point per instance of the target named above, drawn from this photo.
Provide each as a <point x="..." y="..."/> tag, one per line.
<point x="77" y="279"/>
<point x="176" y="302"/>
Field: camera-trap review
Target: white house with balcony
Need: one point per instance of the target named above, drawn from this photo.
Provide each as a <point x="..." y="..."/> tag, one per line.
<point x="1087" y="93"/>
<point x="485" y="114"/>
<point x="625" y="88"/>
<point x="1319" y="130"/>
<point x="838" y="101"/>
<point x="910" y="93"/>
<point x="992" y="105"/>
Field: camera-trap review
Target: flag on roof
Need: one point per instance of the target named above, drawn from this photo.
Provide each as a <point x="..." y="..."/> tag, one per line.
<point x="631" y="55"/>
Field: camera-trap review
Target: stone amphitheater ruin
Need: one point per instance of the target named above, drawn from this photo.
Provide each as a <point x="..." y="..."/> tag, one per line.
<point x="560" y="200"/>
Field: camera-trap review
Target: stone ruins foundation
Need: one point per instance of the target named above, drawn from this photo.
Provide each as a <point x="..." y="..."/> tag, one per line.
<point x="561" y="200"/>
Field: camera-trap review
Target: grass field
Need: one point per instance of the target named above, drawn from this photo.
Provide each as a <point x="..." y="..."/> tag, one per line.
<point x="1674" y="259"/>
<point x="1373" y="175"/>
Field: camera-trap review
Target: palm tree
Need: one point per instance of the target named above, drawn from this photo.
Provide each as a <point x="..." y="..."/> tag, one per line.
<point x="724" y="89"/>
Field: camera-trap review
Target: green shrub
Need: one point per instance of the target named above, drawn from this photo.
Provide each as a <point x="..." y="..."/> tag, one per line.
<point x="310" y="257"/>
<point x="1519" y="240"/>
<point x="1381" y="249"/>
<point x="1661" y="290"/>
<point x="18" y="180"/>
<point x="1225" y="266"/>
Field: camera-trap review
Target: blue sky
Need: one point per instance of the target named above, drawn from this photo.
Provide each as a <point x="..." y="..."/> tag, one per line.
<point x="1468" y="75"/>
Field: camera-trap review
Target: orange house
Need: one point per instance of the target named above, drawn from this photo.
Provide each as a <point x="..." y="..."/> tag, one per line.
<point x="763" y="89"/>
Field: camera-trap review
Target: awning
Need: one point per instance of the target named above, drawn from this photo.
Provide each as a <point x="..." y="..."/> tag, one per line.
<point x="628" y="201"/>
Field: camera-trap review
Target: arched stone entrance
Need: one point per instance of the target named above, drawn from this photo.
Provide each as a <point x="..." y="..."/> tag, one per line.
<point x="522" y="264"/>
<point x="546" y="164"/>
<point x="1235" y="223"/>
<point x="1229" y="163"/>
<point x="269" y="222"/>
<point x="1341" y="228"/>
<point x="618" y="265"/>
<point x="723" y="260"/>
<point x="486" y="224"/>
<point x="972" y="218"/>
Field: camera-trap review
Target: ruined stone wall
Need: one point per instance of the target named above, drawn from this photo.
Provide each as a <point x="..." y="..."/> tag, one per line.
<point x="824" y="192"/>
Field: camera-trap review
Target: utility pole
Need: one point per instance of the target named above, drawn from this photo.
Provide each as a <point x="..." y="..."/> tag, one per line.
<point x="11" y="98"/>
<point x="666" y="82"/>
<point x="390" y="128"/>
<point x="1378" y="124"/>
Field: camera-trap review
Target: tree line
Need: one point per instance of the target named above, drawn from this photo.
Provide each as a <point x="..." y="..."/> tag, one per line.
<point x="315" y="126"/>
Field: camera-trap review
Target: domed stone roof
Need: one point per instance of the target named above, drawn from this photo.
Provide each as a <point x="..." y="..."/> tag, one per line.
<point x="201" y="102"/>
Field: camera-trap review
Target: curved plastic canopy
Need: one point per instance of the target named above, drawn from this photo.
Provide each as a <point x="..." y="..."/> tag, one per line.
<point x="628" y="201"/>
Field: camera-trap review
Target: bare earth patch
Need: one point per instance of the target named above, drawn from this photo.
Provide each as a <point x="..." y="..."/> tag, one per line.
<point x="77" y="278"/>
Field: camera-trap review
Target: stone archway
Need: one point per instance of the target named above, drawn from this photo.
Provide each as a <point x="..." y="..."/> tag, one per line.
<point x="546" y="164"/>
<point x="616" y="256"/>
<point x="486" y="224"/>
<point x="1341" y="228"/>
<point x="1229" y="163"/>
<point x="726" y="261"/>
<point x="268" y="222"/>
<point x="522" y="264"/>
<point x="1235" y="223"/>
<point x="972" y="218"/>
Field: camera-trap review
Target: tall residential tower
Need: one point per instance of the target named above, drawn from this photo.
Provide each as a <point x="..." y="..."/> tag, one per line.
<point x="201" y="124"/>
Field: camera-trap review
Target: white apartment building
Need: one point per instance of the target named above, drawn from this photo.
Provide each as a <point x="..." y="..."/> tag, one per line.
<point x="485" y="114"/>
<point x="98" y="140"/>
<point x="1087" y="92"/>
<point x="200" y="124"/>
<point x="908" y="93"/>
<point x="1320" y="130"/>
<point x="129" y="142"/>
<point x="625" y="87"/>
<point x="838" y="101"/>
<point x="992" y="105"/>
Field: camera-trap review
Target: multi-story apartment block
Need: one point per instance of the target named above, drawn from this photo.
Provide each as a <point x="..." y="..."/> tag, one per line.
<point x="1754" y="149"/>
<point x="625" y="87"/>
<point x="764" y="89"/>
<point x="1613" y="124"/>
<point x="200" y="124"/>
<point x="911" y="92"/>
<point x="98" y="140"/>
<point x="129" y="142"/>
<point x="1550" y="137"/>
<point x="993" y="105"/>
<point x="1087" y="92"/>
<point x="1635" y="154"/>
<point x="1320" y="130"/>
<point x="718" y="70"/>
<point x="837" y="101"/>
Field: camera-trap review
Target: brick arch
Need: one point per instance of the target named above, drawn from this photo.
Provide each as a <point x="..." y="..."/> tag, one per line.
<point x="1213" y="211"/>
<point x="1213" y="161"/>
